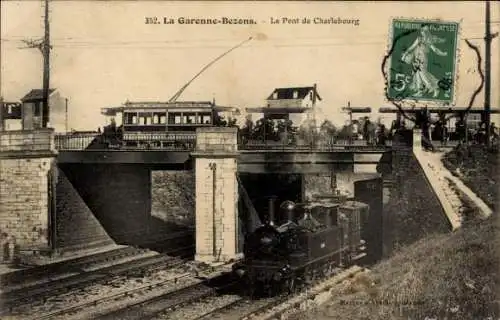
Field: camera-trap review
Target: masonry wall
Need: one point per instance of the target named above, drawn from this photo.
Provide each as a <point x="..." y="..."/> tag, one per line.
<point x="24" y="201"/>
<point x="76" y="225"/>
<point x="173" y="196"/>
<point x="119" y="195"/>
<point x="226" y="202"/>
<point x="322" y="183"/>
<point x="216" y="194"/>
<point x="412" y="210"/>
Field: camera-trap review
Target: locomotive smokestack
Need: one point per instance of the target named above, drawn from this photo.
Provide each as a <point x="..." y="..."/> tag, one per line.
<point x="271" y="211"/>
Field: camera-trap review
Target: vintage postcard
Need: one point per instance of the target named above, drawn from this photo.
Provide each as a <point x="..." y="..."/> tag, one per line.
<point x="249" y="159"/>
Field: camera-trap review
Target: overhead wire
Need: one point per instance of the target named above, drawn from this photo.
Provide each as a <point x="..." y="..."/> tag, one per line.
<point x="75" y="40"/>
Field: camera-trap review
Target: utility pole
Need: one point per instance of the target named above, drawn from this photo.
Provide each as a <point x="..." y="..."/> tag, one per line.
<point x="44" y="46"/>
<point x="487" y="80"/>
<point x="66" y="116"/>
<point x="46" y="65"/>
<point x="487" y="77"/>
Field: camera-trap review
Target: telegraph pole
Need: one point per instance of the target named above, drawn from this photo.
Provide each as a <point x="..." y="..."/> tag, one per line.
<point x="487" y="77"/>
<point x="46" y="64"/>
<point x="44" y="46"/>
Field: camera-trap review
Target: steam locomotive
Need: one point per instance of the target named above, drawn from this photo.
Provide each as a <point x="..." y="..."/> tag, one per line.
<point x="318" y="238"/>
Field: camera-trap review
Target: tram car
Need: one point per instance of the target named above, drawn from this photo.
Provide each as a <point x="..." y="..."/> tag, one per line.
<point x="161" y="124"/>
<point x="319" y="238"/>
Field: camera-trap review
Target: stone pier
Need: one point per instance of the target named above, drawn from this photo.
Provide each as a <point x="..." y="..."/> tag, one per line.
<point x="28" y="174"/>
<point x="216" y="194"/>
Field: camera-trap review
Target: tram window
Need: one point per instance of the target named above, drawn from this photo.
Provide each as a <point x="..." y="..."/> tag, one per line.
<point x="174" y="118"/>
<point x="207" y="119"/>
<point x="130" y="118"/>
<point x="199" y="119"/>
<point x="171" y="119"/>
<point x="158" y="118"/>
<point x="190" y="118"/>
<point x="163" y="119"/>
<point x="144" y="118"/>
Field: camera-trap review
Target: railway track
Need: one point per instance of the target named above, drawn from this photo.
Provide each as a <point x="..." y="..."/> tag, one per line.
<point x="84" y="310"/>
<point x="244" y="309"/>
<point x="153" y="308"/>
<point x="240" y="308"/>
<point x="44" y="292"/>
<point x="144" y="302"/>
<point x="33" y="274"/>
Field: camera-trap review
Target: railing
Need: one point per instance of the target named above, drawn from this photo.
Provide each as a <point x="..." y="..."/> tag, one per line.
<point x="317" y="146"/>
<point x="24" y="140"/>
<point x="95" y="141"/>
<point x="75" y="141"/>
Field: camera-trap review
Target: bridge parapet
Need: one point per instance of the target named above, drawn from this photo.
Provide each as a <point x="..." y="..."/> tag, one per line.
<point x="27" y="140"/>
<point x="216" y="139"/>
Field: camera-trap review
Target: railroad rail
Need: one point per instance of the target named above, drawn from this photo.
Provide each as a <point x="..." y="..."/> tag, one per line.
<point x="54" y="270"/>
<point x="269" y="308"/>
<point x="72" y="310"/>
<point x="152" y="307"/>
<point x="27" y="295"/>
<point x="34" y="273"/>
<point x="86" y="271"/>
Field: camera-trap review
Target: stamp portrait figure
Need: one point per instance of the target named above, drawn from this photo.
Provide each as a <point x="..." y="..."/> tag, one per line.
<point x="423" y="58"/>
<point x="417" y="55"/>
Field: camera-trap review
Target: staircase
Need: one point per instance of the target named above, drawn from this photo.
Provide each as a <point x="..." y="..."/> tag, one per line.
<point x="445" y="184"/>
<point x="435" y="173"/>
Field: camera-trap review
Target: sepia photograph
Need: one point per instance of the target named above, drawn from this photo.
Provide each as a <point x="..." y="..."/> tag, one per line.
<point x="249" y="160"/>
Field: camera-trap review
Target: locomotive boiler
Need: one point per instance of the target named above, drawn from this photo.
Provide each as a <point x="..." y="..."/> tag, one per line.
<point x="317" y="238"/>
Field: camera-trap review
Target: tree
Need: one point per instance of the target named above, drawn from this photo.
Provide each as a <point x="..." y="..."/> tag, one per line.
<point x="264" y="129"/>
<point x="345" y="133"/>
<point x="327" y="131"/>
<point x="307" y="132"/>
<point x="245" y="132"/>
<point x="219" y="121"/>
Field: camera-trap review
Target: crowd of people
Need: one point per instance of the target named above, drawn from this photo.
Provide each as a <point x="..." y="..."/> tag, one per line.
<point x="438" y="131"/>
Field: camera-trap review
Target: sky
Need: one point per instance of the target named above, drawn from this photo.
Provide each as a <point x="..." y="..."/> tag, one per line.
<point x="104" y="53"/>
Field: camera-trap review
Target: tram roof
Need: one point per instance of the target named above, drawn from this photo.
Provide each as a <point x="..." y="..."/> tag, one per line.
<point x="182" y="105"/>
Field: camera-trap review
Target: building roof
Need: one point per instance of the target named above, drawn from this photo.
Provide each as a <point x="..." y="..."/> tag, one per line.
<point x="287" y="93"/>
<point x="35" y="95"/>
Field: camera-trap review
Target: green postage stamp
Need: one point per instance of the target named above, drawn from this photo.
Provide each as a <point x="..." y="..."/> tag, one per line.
<point x="423" y="60"/>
